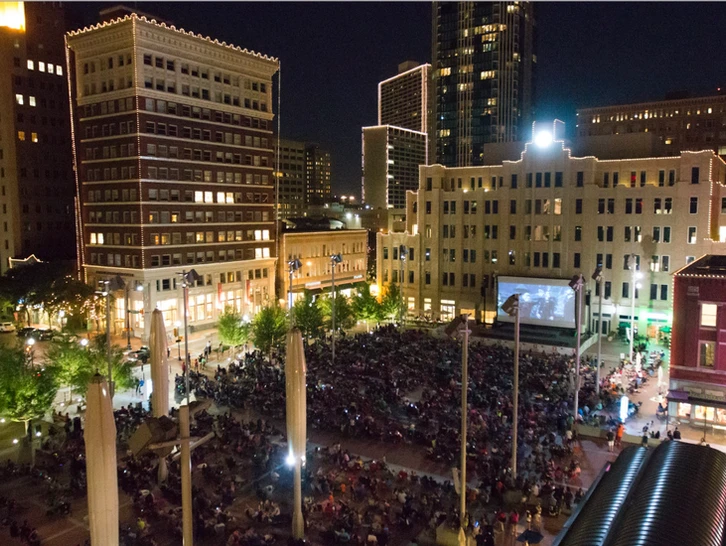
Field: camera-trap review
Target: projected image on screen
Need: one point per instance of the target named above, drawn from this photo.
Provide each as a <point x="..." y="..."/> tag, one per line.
<point x="547" y="302"/>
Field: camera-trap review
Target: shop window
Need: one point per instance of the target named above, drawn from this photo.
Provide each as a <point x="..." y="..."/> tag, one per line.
<point x="706" y="354"/>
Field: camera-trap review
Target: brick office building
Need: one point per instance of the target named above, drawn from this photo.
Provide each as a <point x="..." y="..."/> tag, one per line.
<point x="174" y="155"/>
<point x="698" y="345"/>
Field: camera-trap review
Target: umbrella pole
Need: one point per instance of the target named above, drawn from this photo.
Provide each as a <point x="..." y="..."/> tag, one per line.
<point x="186" y="477"/>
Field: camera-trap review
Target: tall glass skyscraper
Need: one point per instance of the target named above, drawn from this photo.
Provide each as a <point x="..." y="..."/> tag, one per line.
<point x="484" y="73"/>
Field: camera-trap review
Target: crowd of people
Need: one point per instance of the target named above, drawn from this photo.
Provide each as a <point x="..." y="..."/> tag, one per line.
<point x="388" y="386"/>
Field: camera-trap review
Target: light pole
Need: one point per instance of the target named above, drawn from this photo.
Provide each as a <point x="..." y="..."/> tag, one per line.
<point x="29" y="349"/>
<point x="177" y="324"/>
<point x="127" y="304"/>
<point x="108" y="286"/>
<point x="292" y="266"/>
<point x="187" y="278"/>
<point x="402" y="252"/>
<point x="597" y="277"/>
<point x="461" y="324"/>
<point x="335" y="259"/>
<point x="511" y="307"/>
<point x="577" y="284"/>
<point x="636" y="275"/>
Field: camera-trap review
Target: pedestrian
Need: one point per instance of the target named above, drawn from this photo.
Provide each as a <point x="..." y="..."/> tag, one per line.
<point x="644" y="442"/>
<point x="619" y="435"/>
<point x="676" y="434"/>
<point x="168" y="352"/>
<point x="208" y="349"/>
<point x="611" y="440"/>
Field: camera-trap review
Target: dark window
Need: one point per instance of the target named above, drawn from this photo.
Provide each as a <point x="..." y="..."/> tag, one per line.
<point x="529" y="180"/>
<point x="538" y="180"/>
<point x="608" y="289"/>
<point x="558" y="179"/>
<point x="694" y="205"/>
<point x="653" y="291"/>
<point x="547" y="179"/>
<point x="512" y="232"/>
<point x="578" y="233"/>
<point x="514" y="182"/>
<point x="661" y="178"/>
<point x="578" y="206"/>
<point x="695" y="171"/>
<point x="642" y="178"/>
<point x="626" y="290"/>
<point x="556" y="260"/>
<point x="580" y="179"/>
<point x="576" y="263"/>
<point x="664" y="292"/>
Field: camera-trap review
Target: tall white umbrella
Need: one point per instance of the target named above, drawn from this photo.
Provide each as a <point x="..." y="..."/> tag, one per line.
<point x="101" y="477"/>
<point x="296" y="415"/>
<point x="159" y="376"/>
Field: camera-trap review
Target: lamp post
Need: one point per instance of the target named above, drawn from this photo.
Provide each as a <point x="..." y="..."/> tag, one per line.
<point x="511" y="307"/>
<point x="335" y="259"/>
<point x="29" y="349"/>
<point x="597" y="277"/>
<point x="178" y="339"/>
<point x="402" y="252"/>
<point x="292" y="266"/>
<point x="461" y="324"/>
<point x="633" y="266"/>
<point x="187" y="278"/>
<point x="577" y="284"/>
<point x="127" y="304"/>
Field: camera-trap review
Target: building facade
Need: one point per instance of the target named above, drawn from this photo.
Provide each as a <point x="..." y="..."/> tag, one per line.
<point x="291" y="179"/>
<point x="173" y="153"/>
<point x="36" y="167"/>
<point x="404" y="99"/>
<point x="553" y="215"/>
<point x="313" y="249"/>
<point x="671" y="125"/>
<point x="391" y="159"/>
<point x="317" y="174"/>
<point x="697" y="368"/>
<point x="484" y="75"/>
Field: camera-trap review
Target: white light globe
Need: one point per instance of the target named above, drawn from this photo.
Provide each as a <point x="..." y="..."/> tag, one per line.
<point x="543" y="139"/>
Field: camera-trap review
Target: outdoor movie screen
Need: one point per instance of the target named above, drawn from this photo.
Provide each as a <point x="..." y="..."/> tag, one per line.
<point x="543" y="302"/>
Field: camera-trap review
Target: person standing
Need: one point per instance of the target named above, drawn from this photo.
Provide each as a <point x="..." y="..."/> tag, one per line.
<point x="676" y="434"/>
<point x="611" y="440"/>
<point x="619" y="435"/>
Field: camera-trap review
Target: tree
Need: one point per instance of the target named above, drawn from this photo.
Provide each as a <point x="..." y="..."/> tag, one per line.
<point x="269" y="328"/>
<point x="26" y="393"/>
<point x="232" y="330"/>
<point x="76" y="365"/>
<point x="391" y="302"/>
<point x="308" y="315"/>
<point x="365" y="306"/>
<point x="344" y="318"/>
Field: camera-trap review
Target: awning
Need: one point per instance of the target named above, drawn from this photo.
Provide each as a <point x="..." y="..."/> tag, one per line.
<point x="683" y="396"/>
<point x="677" y="396"/>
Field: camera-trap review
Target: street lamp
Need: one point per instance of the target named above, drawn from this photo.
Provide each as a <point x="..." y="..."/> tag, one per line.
<point x="107" y="286"/>
<point x="187" y="278"/>
<point x="335" y="259"/>
<point x="636" y="275"/>
<point x="597" y="277"/>
<point x="29" y="349"/>
<point x="577" y="284"/>
<point x="402" y="254"/>
<point x="177" y="325"/>
<point x="511" y="307"/>
<point x="461" y="324"/>
<point x="293" y="265"/>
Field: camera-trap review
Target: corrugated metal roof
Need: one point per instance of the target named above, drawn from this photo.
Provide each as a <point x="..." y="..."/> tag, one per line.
<point x="594" y="522"/>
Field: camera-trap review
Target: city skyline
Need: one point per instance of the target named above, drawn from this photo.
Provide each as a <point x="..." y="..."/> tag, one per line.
<point x="339" y="49"/>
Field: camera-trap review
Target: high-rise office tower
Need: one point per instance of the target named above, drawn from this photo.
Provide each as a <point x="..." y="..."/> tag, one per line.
<point x="484" y="73"/>
<point x="317" y="174"/>
<point x="291" y="179"/>
<point x="403" y="100"/>
<point x="36" y="167"/>
<point x="394" y="149"/>
<point x="174" y="154"/>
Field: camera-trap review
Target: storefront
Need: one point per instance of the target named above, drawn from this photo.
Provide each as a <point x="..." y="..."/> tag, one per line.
<point x="697" y="404"/>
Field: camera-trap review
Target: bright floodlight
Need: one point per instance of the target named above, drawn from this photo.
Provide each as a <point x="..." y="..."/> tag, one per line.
<point x="84" y="341"/>
<point x="30" y="341"/>
<point x="290" y="460"/>
<point x="623" y="408"/>
<point x="543" y="139"/>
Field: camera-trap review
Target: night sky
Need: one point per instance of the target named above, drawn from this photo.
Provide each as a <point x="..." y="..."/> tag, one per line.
<point x="333" y="55"/>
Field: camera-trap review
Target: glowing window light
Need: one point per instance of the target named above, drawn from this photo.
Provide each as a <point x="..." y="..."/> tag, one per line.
<point x="12" y="15"/>
<point x="41" y="66"/>
<point x="31" y="65"/>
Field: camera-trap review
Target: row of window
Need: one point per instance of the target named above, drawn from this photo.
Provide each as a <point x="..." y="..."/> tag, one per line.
<point x="48" y="68"/>
<point x="131" y="217"/>
<point x="164" y="260"/>
<point x="190" y="154"/>
<point x="544" y="180"/>
<point x="234" y="139"/>
<point x="193" y="91"/>
<point x="630" y="234"/>
<point x="205" y="114"/>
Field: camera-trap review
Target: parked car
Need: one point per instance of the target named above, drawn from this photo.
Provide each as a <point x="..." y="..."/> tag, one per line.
<point x="27" y="332"/>
<point x="7" y="327"/>
<point x="44" y="334"/>
<point x="142" y="354"/>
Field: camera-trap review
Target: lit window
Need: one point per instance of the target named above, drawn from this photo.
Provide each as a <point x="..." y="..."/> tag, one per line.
<point x="19" y="99"/>
<point x="220" y="197"/>
<point x="258" y="253"/>
<point x="51" y="68"/>
<point x="31" y="100"/>
<point x="34" y="137"/>
<point x="100" y="238"/>
<point x="266" y="252"/>
<point x="258" y="235"/>
<point x="708" y="314"/>
<point x="93" y="238"/>
<point x="31" y="65"/>
<point x="41" y="66"/>
<point x="21" y="135"/>
<point x="265" y="234"/>
<point x="208" y="197"/>
<point x="198" y="197"/>
<point x="58" y="70"/>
